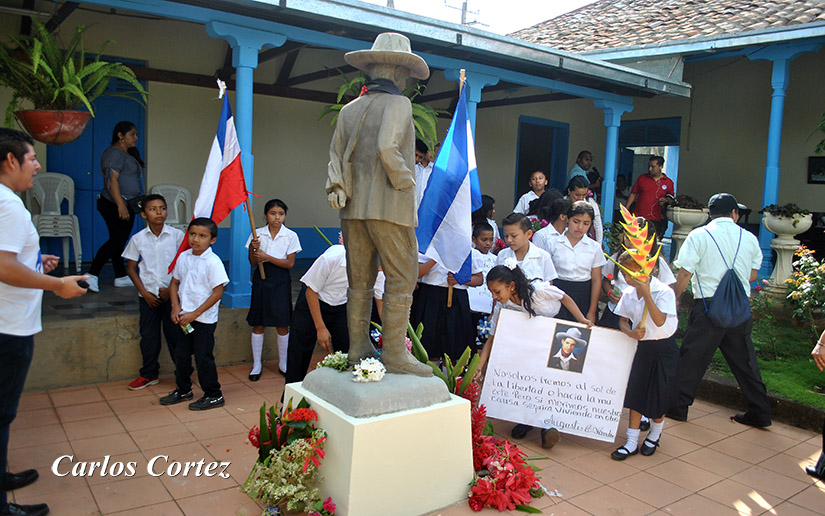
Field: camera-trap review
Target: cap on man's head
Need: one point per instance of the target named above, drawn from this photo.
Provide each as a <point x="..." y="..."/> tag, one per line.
<point x="723" y="204"/>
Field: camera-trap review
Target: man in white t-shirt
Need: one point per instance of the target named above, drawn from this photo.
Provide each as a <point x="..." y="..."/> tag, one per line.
<point x="23" y="278"/>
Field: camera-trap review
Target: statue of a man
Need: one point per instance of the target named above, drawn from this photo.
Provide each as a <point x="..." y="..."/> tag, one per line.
<point x="372" y="181"/>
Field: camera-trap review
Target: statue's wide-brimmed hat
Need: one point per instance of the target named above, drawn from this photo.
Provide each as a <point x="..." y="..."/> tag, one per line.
<point x="571" y="333"/>
<point x="389" y="48"/>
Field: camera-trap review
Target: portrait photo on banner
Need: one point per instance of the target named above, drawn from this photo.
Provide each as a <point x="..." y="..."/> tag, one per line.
<point x="548" y="372"/>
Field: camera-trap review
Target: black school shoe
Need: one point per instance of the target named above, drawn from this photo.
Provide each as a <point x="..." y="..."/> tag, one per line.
<point x="519" y="431"/>
<point x="13" y="509"/>
<point x="12" y="481"/>
<point x="176" y="396"/>
<point x="207" y="403"/>
<point x="745" y="419"/>
<point x="818" y="470"/>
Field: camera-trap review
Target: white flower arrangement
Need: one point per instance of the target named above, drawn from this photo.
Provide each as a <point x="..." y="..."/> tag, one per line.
<point x="369" y="370"/>
<point x="337" y="360"/>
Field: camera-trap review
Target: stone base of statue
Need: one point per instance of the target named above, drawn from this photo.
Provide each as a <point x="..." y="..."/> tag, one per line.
<point x="405" y="463"/>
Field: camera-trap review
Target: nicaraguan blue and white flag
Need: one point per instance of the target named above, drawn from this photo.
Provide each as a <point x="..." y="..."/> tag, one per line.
<point x="445" y="227"/>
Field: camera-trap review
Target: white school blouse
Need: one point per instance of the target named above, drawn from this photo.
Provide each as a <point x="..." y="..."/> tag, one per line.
<point x="438" y="274"/>
<point x="543" y="237"/>
<point x="537" y="263"/>
<point x="546" y="302"/>
<point x="632" y="306"/>
<point x="576" y="263"/>
<point x="523" y="204"/>
<point x="665" y="276"/>
<point x="154" y="254"/>
<point x="285" y="242"/>
<point x="328" y="277"/>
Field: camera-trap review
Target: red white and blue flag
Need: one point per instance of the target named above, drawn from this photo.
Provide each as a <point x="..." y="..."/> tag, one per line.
<point x="223" y="187"/>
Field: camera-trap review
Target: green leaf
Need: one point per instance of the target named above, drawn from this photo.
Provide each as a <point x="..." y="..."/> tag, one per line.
<point x="527" y="509"/>
<point x="472" y="367"/>
<point x="488" y="428"/>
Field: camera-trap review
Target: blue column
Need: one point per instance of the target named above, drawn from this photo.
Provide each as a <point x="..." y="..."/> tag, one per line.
<point x="770" y="193"/>
<point x="245" y="44"/>
<point x="781" y="57"/>
<point x="612" y="120"/>
<point x="474" y="82"/>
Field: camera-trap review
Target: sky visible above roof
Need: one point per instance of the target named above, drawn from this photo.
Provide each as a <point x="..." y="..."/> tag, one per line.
<point x="621" y="23"/>
<point x="497" y="16"/>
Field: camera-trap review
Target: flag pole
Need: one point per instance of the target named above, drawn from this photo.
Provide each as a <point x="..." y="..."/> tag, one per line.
<point x="450" y="287"/>
<point x="254" y="233"/>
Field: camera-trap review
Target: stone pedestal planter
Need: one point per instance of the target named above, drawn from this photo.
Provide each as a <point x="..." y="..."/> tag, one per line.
<point x="785" y="245"/>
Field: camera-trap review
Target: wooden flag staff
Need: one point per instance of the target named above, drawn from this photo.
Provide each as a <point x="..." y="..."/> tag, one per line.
<point x="450" y="287"/>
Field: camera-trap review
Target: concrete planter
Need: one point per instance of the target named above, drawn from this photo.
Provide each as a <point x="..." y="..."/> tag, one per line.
<point x="684" y="220"/>
<point x="785" y="245"/>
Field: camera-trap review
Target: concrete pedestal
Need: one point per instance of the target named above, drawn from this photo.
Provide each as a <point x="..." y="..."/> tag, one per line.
<point x="405" y="463"/>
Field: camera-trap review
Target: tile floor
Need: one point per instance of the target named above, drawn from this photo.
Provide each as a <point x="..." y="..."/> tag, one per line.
<point x="708" y="465"/>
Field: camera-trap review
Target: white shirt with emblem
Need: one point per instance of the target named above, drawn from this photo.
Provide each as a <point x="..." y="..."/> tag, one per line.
<point x="19" y="307"/>
<point x="328" y="277"/>
<point x="285" y="242"/>
<point x="575" y="263"/>
<point x="632" y="306"/>
<point x="537" y="263"/>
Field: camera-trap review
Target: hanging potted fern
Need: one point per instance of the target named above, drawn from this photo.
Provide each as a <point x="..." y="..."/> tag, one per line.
<point x="425" y="117"/>
<point x="58" y="83"/>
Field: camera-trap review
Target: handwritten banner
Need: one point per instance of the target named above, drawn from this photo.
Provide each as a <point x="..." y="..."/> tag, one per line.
<point x="551" y="373"/>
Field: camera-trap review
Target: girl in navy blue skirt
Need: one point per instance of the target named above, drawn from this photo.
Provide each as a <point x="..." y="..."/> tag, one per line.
<point x="275" y="246"/>
<point x="648" y="314"/>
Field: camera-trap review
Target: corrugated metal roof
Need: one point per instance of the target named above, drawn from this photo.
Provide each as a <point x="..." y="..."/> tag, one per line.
<point x="622" y="23"/>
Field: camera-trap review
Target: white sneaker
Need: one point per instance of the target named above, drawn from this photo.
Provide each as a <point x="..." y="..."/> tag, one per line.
<point x="125" y="281"/>
<point x="94" y="285"/>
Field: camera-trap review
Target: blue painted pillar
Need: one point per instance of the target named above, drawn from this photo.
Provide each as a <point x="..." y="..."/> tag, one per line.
<point x="474" y="82"/>
<point x="245" y="44"/>
<point x="781" y="57"/>
<point x="613" y="112"/>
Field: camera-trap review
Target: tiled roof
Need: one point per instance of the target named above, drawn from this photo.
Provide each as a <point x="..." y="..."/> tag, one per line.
<point x="622" y="23"/>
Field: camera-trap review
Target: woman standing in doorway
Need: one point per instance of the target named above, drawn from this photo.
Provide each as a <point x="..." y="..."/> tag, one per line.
<point x="121" y="166"/>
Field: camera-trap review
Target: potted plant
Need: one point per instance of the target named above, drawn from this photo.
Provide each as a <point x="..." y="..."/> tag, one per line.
<point x="685" y="211"/>
<point x="786" y="221"/>
<point x="57" y="83"/>
<point x="424" y="117"/>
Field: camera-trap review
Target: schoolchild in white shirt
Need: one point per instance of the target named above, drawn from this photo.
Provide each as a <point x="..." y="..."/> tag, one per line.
<point x="320" y="313"/>
<point x="196" y="289"/>
<point x="579" y="261"/>
<point x="275" y="246"/>
<point x="511" y="289"/>
<point x="536" y="263"/>
<point x="152" y="250"/>
<point x="486" y="214"/>
<point x="538" y="182"/>
<point x="613" y="284"/>
<point x="578" y="189"/>
<point x="481" y="302"/>
<point x="652" y="385"/>
<point x="557" y="216"/>
<point x="446" y="329"/>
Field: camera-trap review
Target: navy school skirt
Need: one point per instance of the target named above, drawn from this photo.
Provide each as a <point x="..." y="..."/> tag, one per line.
<point x="271" y="302"/>
<point x="579" y="291"/>
<point x="446" y="330"/>
<point x="653" y="383"/>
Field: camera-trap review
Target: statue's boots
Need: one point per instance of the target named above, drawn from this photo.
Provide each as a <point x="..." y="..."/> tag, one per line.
<point x="359" y="309"/>
<point x="395" y="357"/>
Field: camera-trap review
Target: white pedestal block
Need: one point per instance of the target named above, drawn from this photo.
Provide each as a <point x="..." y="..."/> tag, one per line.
<point x="405" y="463"/>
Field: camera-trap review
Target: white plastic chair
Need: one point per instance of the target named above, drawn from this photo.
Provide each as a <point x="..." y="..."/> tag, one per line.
<point x="178" y="204"/>
<point x="43" y="201"/>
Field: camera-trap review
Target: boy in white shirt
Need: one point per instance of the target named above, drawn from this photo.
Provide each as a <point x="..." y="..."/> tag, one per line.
<point x="155" y="247"/>
<point x="321" y="311"/>
<point x="535" y="262"/>
<point x="481" y="301"/>
<point x="195" y="291"/>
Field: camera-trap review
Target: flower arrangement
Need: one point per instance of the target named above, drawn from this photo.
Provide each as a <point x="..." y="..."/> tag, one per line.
<point x="368" y="370"/>
<point x="806" y="287"/>
<point x="684" y="201"/>
<point x="337" y="361"/>
<point x="290" y="450"/>
<point x="322" y="508"/>
<point x="504" y="478"/>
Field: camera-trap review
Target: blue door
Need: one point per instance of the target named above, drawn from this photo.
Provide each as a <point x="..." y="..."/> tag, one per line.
<point x="81" y="161"/>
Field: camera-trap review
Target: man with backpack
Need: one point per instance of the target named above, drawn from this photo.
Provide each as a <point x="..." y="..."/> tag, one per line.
<point x="720" y="317"/>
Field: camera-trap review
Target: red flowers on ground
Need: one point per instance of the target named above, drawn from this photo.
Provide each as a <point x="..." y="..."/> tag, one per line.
<point x="302" y="414"/>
